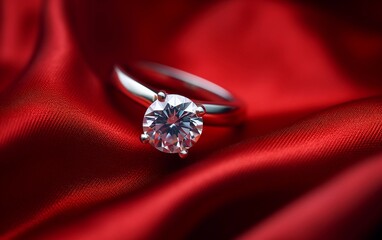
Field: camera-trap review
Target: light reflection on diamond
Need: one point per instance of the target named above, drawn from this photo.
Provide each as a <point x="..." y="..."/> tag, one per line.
<point x="172" y="125"/>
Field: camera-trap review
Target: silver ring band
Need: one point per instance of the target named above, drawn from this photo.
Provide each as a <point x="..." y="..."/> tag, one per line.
<point x="222" y="110"/>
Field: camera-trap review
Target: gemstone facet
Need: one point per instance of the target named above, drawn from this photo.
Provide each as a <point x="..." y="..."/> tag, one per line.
<point x="172" y="125"/>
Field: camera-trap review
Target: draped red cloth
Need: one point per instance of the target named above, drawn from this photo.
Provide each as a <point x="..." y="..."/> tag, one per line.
<point x="306" y="164"/>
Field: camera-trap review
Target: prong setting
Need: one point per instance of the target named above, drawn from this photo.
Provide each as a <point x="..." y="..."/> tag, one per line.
<point x="161" y="96"/>
<point x="144" y="138"/>
<point x="172" y="126"/>
<point x="200" y="111"/>
<point x="183" y="153"/>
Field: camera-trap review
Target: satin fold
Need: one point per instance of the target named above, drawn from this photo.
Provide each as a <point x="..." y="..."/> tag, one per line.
<point x="305" y="164"/>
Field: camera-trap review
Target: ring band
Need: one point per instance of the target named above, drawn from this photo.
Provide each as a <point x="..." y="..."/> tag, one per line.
<point x="173" y="123"/>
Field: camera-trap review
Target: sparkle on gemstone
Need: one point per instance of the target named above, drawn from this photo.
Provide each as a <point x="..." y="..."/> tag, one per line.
<point x="172" y="125"/>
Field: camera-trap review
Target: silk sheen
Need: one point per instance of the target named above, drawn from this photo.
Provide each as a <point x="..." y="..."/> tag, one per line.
<point x="306" y="164"/>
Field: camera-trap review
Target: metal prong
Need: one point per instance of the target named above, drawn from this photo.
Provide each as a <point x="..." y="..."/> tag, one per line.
<point x="161" y="96"/>
<point x="144" y="138"/>
<point x="183" y="153"/>
<point x="200" y="111"/>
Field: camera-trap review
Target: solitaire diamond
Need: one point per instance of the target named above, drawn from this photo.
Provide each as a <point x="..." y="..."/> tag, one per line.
<point x="172" y="124"/>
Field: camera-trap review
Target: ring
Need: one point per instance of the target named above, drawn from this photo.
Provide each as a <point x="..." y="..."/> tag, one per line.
<point x="174" y="123"/>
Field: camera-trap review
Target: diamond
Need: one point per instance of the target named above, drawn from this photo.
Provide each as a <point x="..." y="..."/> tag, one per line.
<point x="172" y="125"/>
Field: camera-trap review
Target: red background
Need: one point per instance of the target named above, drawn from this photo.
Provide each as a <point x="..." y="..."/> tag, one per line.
<point x="307" y="163"/>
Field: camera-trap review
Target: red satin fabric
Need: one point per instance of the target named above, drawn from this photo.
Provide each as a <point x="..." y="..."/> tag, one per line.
<point x="307" y="163"/>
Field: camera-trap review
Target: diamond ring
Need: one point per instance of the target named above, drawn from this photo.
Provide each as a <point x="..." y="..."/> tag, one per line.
<point x="174" y="123"/>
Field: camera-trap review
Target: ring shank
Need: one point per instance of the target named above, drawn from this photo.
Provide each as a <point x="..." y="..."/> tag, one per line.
<point x="227" y="111"/>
